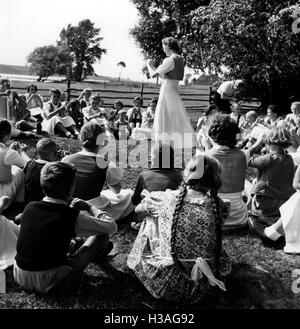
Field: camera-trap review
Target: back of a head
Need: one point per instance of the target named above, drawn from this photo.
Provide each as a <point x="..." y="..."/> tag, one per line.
<point x="89" y="133"/>
<point x="224" y="130"/>
<point x="173" y="44"/>
<point x="5" y="129"/>
<point x="46" y="148"/>
<point x="203" y="173"/>
<point x="162" y="156"/>
<point x="279" y="136"/>
<point x="57" y="180"/>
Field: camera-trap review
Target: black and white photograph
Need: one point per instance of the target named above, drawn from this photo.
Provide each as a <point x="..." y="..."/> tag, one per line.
<point x="149" y="158"/>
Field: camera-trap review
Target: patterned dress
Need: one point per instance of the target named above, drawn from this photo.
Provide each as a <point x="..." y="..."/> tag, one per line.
<point x="196" y="244"/>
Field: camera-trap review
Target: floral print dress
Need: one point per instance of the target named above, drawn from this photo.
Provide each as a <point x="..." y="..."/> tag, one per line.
<point x="184" y="270"/>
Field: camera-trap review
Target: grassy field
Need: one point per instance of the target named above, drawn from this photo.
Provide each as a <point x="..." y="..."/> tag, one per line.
<point x="262" y="277"/>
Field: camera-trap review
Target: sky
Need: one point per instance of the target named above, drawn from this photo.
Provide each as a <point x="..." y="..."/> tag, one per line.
<point x="27" y="24"/>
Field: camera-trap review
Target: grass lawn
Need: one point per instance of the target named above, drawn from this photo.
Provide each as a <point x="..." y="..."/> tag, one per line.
<point x="263" y="277"/>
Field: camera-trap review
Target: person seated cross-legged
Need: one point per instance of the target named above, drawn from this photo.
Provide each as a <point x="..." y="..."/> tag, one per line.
<point x="43" y="261"/>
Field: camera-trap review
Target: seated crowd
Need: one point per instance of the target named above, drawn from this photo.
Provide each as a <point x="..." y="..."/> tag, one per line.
<point x="71" y="203"/>
<point x="32" y="116"/>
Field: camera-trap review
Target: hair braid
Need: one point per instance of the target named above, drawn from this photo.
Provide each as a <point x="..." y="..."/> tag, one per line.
<point x="178" y="207"/>
<point x="218" y="227"/>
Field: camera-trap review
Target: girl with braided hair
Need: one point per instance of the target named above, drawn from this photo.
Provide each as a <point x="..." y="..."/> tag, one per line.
<point x="178" y="252"/>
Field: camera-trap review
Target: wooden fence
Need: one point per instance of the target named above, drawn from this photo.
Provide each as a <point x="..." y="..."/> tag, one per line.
<point x="194" y="98"/>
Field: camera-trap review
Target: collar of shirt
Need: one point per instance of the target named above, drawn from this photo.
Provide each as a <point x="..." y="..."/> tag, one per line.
<point x="220" y="147"/>
<point x="87" y="153"/>
<point x="41" y="161"/>
<point x="52" y="200"/>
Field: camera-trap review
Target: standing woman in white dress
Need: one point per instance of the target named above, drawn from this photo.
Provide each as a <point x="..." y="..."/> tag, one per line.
<point x="171" y="122"/>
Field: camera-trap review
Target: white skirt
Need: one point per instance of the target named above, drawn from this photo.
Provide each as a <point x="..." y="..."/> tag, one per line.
<point x="118" y="206"/>
<point x="290" y="216"/>
<point x="16" y="188"/>
<point x="238" y="214"/>
<point x="49" y="125"/>
<point x="171" y="121"/>
<point x="8" y="242"/>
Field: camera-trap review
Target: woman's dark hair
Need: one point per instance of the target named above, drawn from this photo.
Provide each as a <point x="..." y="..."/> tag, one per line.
<point x="55" y="91"/>
<point x="31" y="85"/>
<point x="57" y="179"/>
<point x="172" y="43"/>
<point x="224" y="130"/>
<point x="209" y="109"/>
<point x="279" y="136"/>
<point x="5" y="129"/>
<point x="89" y="133"/>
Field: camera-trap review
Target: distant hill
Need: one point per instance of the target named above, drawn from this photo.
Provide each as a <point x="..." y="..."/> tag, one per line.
<point x="23" y="70"/>
<point x="14" y="69"/>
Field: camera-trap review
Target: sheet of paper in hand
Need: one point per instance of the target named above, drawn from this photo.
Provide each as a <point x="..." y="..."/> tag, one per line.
<point x="36" y="111"/>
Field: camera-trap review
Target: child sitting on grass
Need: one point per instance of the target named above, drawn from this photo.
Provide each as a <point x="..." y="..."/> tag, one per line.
<point x="42" y="260"/>
<point x="275" y="175"/>
<point x="8" y="236"/>
<point x="178" y="252"/>
<point x="12" y="160"/>
<point x="288" y="225"/>
<point x="134" y="114"/>
<point x="46" y="150"/>
<point x="76" y="113"/>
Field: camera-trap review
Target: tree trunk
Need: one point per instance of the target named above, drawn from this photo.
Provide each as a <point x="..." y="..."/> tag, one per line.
<point x="78" y="72"/>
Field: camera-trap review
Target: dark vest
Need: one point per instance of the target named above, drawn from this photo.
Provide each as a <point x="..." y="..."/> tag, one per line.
<point x="45" y="235"/>
<point x="33" y="189"/>
<point x="178" y="72"/>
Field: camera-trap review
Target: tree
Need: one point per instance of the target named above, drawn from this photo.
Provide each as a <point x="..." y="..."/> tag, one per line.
<point x="159" y="19"/>
<point x="48" y="60"/>
<point x="83" y="42"/>
<point x="252" y="39"/>
<point x="121" y="65"/>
